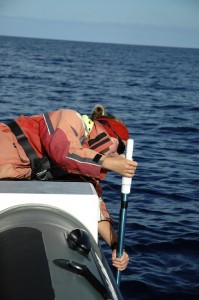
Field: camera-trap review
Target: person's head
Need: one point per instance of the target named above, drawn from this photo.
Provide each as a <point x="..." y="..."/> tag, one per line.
<point x="115" y="128"/>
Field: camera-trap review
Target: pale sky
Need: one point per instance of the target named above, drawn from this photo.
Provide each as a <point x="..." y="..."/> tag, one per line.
<point x="138" y="22"/>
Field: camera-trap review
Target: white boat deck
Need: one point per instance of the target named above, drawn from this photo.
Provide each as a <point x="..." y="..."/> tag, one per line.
<point x="76" y="198"/>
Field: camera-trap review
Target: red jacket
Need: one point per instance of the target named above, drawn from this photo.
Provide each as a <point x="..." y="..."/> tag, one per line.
<point x="62" y="136"/>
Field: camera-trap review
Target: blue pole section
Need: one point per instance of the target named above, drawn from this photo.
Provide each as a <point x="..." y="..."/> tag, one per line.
<point x="123" y="214"/>
<point x="126" y="188"/>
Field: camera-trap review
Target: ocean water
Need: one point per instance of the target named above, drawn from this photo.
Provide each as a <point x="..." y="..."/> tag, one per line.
<point x="155" y="90"/>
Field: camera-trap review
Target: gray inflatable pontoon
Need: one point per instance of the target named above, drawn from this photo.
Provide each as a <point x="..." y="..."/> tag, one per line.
<point x="46" y="252"/>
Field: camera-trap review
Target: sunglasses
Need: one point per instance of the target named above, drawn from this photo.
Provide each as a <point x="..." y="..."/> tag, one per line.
<point x="121" y="147"/>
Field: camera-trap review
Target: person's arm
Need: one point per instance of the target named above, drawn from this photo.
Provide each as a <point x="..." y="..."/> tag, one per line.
<point x="108" y="234"/>
<point x="120" y="165"/>
<point x="63" y="145"/>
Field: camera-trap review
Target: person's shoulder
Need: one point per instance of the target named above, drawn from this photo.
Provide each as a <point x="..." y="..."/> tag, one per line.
<point x="69" y="115"/>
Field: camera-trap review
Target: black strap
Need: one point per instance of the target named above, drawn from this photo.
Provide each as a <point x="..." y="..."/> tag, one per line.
<point x="23" y="141"/>
<point x="97" y="158"/>
<point x="42" y="168"/>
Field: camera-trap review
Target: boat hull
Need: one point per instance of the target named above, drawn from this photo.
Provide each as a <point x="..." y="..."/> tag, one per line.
<point x="46" y="253"/>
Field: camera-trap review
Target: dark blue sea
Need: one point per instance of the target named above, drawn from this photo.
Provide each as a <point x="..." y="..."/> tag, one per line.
<point x="155" y="90"/>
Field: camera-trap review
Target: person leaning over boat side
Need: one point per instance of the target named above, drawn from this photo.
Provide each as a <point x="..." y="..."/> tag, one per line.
<point x="69" y="146"/>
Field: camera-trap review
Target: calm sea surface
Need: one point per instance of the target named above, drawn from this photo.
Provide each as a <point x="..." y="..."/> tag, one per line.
<point x="155" y="90"/>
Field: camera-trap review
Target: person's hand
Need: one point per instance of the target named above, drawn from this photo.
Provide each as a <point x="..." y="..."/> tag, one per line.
<point x="120" y="263"/>
<point x="120" y="165"/>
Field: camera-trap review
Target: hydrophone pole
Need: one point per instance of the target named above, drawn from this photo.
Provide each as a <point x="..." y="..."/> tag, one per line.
<point x="125" y="190"/>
